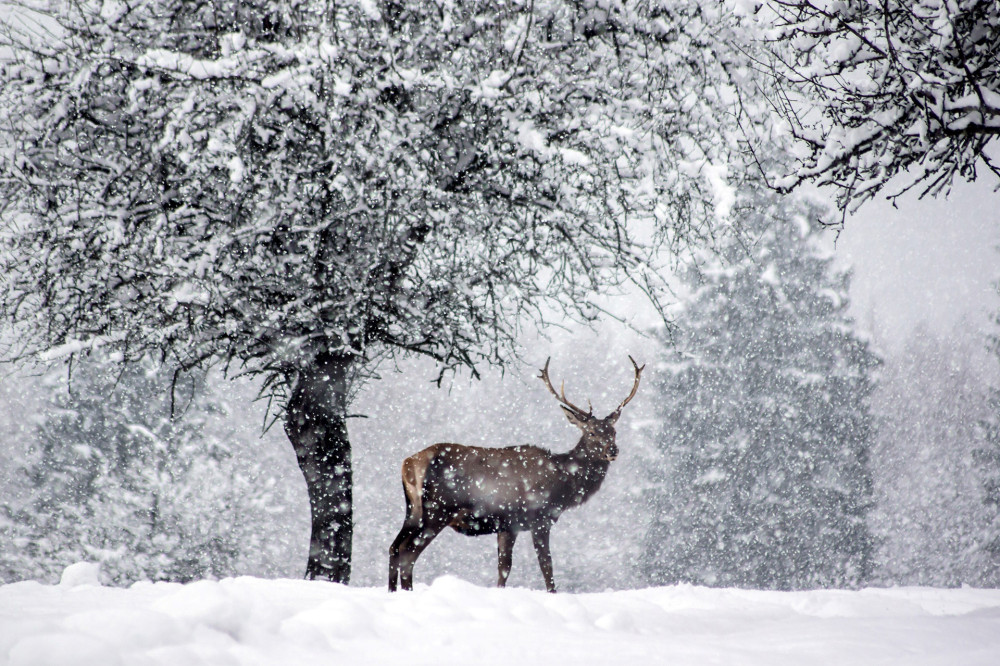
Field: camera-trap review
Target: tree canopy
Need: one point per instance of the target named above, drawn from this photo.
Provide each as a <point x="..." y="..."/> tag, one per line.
<point x="260" y="182"/>
<point x="882" y="97"/>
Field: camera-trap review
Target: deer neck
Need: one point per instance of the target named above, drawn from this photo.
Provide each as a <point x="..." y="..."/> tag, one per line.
<point x="584" y="469"/>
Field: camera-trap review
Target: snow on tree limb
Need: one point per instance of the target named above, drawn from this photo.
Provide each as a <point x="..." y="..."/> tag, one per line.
<point x="270" y="185"/>
<point x="884" y="98"/>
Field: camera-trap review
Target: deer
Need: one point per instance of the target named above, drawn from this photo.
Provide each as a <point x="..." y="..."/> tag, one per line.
<point x="504" y="491"/>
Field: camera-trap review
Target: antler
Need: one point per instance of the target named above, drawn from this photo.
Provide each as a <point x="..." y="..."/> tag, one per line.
<point x="635" y="387"/>
<point x="561" y="397"/>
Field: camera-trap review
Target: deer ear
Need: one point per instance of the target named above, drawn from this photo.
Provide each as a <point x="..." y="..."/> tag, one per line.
<point x="574" y="418"/>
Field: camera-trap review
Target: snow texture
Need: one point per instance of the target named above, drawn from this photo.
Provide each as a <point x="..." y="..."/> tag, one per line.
<point x="255" y="621"/>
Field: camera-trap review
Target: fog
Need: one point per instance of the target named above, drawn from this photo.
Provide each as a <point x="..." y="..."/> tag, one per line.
<point x="930" y="263"/>
<point x="927" y="260"/>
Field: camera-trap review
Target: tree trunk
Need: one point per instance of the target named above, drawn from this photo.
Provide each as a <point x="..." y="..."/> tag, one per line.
<point x="316" y="425"/>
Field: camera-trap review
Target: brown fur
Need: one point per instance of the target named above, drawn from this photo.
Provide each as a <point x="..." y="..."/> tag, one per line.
<point x="503" y="491"/>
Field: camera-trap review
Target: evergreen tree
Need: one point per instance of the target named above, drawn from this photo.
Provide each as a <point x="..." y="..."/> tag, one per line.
<point x="929" y="515"/>
<point x="763" y="480"/>
<point x="989" y="460"/>
<point x="118" y="479"/>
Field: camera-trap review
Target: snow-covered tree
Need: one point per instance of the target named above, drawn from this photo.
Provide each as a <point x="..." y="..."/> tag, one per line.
<point x="885" y="96"/>
<point x="928" y="515"/>
<point x="763" y="478"/>
<point x="300" y="188"/>
<point x="116" y="478"/>
<point x="989" y="459"/>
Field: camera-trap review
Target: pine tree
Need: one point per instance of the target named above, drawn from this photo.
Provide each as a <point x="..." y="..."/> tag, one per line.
<point x="929" y="514"/>
<point x="989" y="460"/>
<point x="120" y="479"/>
<point x="763" y="480"/>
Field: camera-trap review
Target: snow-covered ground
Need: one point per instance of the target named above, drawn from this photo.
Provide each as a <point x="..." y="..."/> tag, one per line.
<point x="255" y="621"/>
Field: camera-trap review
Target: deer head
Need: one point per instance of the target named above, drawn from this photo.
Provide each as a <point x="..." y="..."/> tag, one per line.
<point x="598" y="434"/>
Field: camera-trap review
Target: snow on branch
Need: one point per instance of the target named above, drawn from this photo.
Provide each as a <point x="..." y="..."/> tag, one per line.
<point x="884" y="97"/>
<point x="71" y="347"/>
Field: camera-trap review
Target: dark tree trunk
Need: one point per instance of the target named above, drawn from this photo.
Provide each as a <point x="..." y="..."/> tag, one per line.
<point x="316" y="424"/>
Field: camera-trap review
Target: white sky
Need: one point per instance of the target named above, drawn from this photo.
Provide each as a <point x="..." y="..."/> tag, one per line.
<point x="935" y="260"/>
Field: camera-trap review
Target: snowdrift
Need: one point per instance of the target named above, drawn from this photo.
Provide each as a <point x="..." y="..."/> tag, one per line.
<point x="254" y="621"/>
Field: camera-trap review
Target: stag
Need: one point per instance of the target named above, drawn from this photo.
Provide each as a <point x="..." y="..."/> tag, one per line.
<point x="503" y="491"/>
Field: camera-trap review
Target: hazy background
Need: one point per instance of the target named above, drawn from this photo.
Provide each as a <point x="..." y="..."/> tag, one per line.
<point x="931" y="262"/>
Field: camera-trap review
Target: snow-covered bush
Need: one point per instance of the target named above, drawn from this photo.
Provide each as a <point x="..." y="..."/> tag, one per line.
<point x="117" y="478"/>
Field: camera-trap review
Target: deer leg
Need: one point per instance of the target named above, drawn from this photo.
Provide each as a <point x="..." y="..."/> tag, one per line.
<point x="410" y="527"/>
<point x="410" y="549"/>
<point x="540" y="539"/>
<point x="505" y="549"/>
<point x="405" y="534"/>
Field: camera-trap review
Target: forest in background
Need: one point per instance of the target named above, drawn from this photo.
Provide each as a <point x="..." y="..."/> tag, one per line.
<point x="315" y="192"/>
<point x="207" y="495"/>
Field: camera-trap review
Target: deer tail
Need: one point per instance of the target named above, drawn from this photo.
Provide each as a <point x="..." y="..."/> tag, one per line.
<point x="414" y="470"/>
